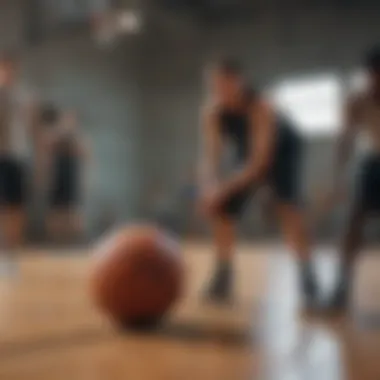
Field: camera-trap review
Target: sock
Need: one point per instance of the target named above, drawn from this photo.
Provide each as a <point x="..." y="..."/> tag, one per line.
<point x="224" y="262"/>
<point x="223" y="265"/>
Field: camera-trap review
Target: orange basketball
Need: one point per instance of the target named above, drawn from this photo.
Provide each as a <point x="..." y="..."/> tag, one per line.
<point x="137" y="275"/>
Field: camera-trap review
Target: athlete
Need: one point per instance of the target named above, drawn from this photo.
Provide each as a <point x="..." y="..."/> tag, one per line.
<point x="268" y="152"/>
<point x="17" y="141"/>
<point x="362" y="114"/>
<point x="67" y="153"/>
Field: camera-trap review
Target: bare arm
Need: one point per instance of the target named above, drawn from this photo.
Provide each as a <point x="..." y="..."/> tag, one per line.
<point x="346" y="139"/>
<point x="262" y="132"/>
<point x="211" y="150"/>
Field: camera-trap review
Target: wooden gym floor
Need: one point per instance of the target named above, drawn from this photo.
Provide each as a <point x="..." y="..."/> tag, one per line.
<point x="50" y="331"/>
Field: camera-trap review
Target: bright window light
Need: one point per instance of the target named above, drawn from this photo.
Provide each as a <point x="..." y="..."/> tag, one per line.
<point x="313" y="104"/>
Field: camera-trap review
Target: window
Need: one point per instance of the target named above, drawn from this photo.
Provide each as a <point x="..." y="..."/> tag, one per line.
<point x="312" y="103"/>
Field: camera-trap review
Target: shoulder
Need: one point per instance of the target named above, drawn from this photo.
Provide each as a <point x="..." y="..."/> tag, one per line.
<point x="260" y="105"/>
<point x="210" y="112"/>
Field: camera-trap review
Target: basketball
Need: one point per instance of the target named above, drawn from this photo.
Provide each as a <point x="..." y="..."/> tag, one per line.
<point x="137" y="275"/>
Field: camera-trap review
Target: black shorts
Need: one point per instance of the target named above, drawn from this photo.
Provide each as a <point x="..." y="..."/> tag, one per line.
<point x="65" y="182"/>
<point x="12" y="182"/>
<point x="283" y="179"/>
<point x="367" y="191"/>
<point x="64" y="195"/>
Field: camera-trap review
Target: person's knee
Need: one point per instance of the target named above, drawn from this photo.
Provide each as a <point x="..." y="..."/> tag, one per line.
<point x="290" y="213"/>
<point x="221" y="218"/>
<point x="293" y="222"/>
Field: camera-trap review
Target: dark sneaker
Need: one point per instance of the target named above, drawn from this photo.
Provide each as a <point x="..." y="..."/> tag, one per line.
<point x="309" y="290"/>
<point x="339" y="303"/>
<point x="220" y="287"/>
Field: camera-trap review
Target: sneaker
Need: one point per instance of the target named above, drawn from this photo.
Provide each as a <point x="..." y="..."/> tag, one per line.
<point x="220" y="287"/>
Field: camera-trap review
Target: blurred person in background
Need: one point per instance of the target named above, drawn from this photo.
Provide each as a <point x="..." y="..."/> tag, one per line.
<point x="362" y="114"/>
<point x="268" y="151"/>
<point x="66" y="153"/>
<point x="48" y="119"/>
<point x="17" y="140"/>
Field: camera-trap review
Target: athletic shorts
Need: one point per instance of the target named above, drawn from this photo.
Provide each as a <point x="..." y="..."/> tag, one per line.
<point x="65" y="193"/>
<point x="65" y="184"/>
<point x="367" y="190"/>
<point x="283" y="179"/>
<point x="64" y="197"/>
<point x="12" y="182"/>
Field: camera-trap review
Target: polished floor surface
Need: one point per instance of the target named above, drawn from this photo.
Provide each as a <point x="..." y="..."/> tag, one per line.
<point x="50" y="330"/>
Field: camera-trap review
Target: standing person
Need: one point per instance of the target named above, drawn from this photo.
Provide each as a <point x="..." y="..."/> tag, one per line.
<point x="268" y="152"/>
<point x="362" y="114"/>
<point x="16" y="145"/>
<point x="67" y="154"/>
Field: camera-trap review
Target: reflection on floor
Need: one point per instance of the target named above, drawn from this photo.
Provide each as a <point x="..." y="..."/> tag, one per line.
<point x="49" y="328"/>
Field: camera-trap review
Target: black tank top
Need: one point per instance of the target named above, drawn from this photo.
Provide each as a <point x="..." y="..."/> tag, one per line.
<point x="236" y="130"/>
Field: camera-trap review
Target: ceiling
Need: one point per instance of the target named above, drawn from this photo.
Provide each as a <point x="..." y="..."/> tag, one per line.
<point x="221" y="9"/>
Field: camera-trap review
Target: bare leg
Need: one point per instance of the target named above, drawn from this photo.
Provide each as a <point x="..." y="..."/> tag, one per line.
<point x="13" y="226"/>
<point x="65" y="225"/>
<point x="56" y="226"/>
<point x="12" y="221"/>
<point x="297" y="236"/>
<point x="224" y="240"/>
<point x="353" y="238"/>
<point x="75" y="221"/>
<point x="295" y="230"/>
<point x="352" y="241"/>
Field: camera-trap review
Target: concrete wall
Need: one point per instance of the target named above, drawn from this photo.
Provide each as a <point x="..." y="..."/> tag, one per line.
<point x="103" y="87"/>
<point x="72" y="71"/>
<point x="171" y="62"/>
<point x="11" y="24"/>
<point x="287" y="42"/>
<point x="140" y="101"/>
